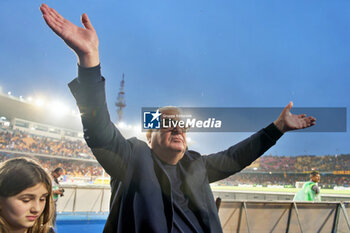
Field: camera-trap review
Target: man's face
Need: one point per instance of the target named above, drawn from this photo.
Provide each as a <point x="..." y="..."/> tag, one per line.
<point x="170" y="139"/>
<point x="316" y="178"/>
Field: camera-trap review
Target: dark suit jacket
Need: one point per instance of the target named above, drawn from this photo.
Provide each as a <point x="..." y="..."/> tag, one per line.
<point x="141" y="198"/>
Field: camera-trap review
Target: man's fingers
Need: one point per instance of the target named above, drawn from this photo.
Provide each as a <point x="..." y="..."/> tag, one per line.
<point x="49" y="21"/>
<point x="54" y="16"/>
<point x="57" y="14"/>
<point x="52" y="24"/>
<point x="86" y="22"/>
<point x="48" y="15"/>
<point x="43" y="7"/>
<point x="310" y="121"/>
<point x="287" y="109"/>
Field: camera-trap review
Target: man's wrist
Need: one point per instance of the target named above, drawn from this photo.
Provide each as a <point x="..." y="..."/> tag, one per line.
<point x="280" y="126"/>
<point x="274" y="132"/>
<point x="89" y="60"/>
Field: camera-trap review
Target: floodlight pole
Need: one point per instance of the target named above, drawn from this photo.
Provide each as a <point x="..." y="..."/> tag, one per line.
<point x="121" y="100"/>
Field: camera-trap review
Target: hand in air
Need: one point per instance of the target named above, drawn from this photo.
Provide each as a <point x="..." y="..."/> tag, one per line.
<point x="82" y="40"/>
<point x="288" y="121"/>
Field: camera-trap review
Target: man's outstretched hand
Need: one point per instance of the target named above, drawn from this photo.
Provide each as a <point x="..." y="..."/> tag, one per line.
<point x="288" y="121"/>
<point x="82" y="40"/>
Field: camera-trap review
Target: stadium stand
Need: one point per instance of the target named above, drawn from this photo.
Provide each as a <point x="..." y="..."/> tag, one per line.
<point x="26" y="130"/>
<point x="268" y="170"/>
<point x="16" y="140"/>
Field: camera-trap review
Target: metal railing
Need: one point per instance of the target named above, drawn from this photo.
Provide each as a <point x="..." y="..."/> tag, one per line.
<point x="236" y="216"/>
<point x="284" y="216"/>
<point x="84" y="198"/>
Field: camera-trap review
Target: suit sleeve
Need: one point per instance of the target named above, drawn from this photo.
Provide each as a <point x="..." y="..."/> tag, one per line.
<point x="106" y="142"/>
<point x="225" y="163"/>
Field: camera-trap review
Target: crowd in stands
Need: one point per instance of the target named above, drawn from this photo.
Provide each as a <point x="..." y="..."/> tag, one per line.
<point x="70" y="167"/>
<point x="273" y="170"/>
<point x="285" y="179"/>
<point x="16" y="140"/>
<point x="303" y="163"/>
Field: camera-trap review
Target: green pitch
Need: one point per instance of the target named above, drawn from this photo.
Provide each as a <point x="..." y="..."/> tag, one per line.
<point x="277" y="190"/>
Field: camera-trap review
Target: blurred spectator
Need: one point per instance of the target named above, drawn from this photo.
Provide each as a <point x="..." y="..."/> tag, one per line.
<point x="310" y="190"/>
<point x="57" y="190"/>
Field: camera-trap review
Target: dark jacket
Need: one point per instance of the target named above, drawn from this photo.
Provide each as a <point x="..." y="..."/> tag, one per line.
<point x="141" y="199"/>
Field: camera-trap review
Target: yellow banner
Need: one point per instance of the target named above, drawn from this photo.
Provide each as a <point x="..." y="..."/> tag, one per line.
<point x="341" y="172"/>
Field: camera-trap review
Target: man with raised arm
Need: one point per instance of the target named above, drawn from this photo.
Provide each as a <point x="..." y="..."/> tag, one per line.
<point x="160" y="186"/>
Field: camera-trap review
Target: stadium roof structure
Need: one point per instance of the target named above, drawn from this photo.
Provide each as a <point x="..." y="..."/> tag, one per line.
<point x="12" y="107"/>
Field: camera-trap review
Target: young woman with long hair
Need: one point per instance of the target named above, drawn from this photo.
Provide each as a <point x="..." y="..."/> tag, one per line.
<point x="26" y="204"/>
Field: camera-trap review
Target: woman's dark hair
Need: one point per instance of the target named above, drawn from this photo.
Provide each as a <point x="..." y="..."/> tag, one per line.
<point x="58" y="170"/>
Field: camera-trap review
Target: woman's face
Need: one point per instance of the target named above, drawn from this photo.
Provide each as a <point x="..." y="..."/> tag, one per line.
<point x="22" y="210"/>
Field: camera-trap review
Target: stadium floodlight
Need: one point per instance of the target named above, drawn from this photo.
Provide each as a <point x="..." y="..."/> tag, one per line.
<point x="9" y="93"/>
<point x="137" y="128"/>
<point x="58" y="108"/>
<point x="39" y="102"/>
<point x="122" y="125"/>
<point x="76" y="113"/>
<point x="29" y="99"/>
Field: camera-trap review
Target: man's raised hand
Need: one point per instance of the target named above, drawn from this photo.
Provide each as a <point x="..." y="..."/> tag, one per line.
<point x="82" y="40"/>
<point x="288" y="121"/>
